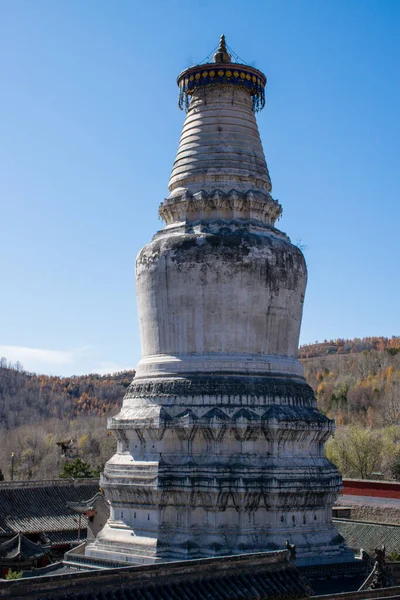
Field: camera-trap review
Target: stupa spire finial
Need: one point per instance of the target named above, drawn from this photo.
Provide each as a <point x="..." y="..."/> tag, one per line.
<point x="222" y="55"/>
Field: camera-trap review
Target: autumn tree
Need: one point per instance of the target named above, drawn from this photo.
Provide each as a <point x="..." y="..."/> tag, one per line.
<point x="355" y="451"/>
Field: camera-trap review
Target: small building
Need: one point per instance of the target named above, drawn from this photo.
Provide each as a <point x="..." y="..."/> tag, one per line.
<point x="96" y="510"/>
<point x="37" y="512"/>
<point x="19" y="554"/>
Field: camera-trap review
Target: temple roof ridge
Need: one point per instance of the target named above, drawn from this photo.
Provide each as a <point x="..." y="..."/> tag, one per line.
<point x="21" y="546"/>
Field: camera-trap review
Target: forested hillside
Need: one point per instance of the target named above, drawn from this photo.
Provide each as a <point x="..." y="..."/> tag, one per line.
<point x="357" y="382"/>
<point x="357" y="345"/>
<point x="48" y="422"/>
<point x="28" y="398"/>
<point x="361" y="390"/>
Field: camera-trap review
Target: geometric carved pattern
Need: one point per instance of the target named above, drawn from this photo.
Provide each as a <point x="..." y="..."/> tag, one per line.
<point x="185" y="207"/>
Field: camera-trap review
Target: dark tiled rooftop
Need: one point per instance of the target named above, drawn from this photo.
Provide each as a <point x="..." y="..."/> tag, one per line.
<point x="359" y="534"/>
<point x="244" y="577"/>
<point x="33" y="507"/>
<point x="61" y="538"/>
<point x="246" y="587"/>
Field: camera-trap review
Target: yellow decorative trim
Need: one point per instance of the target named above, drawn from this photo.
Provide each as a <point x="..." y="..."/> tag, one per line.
<point x="246" y="78"/>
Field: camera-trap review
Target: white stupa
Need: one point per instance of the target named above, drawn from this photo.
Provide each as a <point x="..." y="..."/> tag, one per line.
<point x="220" y="443"/>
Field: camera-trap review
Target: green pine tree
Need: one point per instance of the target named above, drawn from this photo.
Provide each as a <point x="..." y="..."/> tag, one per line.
<point x="77" y="469"/>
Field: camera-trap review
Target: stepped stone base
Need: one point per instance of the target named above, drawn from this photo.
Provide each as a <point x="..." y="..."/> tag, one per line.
<point x="213" y="466"/>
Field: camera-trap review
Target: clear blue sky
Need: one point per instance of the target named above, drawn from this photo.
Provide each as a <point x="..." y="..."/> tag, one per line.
<point x="89" y="127"/>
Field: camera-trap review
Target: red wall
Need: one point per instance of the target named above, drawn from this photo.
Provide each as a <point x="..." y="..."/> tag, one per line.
<point x="379" y="489"/>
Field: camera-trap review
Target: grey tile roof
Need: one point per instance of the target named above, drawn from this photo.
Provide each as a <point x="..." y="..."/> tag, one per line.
<point x="280" y="585"/>
<point x="247" y="587"/>
<point x="61" y="538"/>
<point x="35" y="507"/>
<point x="359" y="534"/>
<point x="246" y="577"/>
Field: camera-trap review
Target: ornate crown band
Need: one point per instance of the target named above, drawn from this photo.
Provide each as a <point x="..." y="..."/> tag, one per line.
<point x="237" y="75"/>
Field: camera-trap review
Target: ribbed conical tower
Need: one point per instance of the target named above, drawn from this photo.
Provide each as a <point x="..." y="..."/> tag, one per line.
<point x="220" y="444"/>
<point x="220" y="147"/>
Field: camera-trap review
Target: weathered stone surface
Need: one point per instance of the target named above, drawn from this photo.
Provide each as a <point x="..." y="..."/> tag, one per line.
<point x="220" y="444"/>
<point x="226" y="296"/>
<point x="220" y="146"/>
